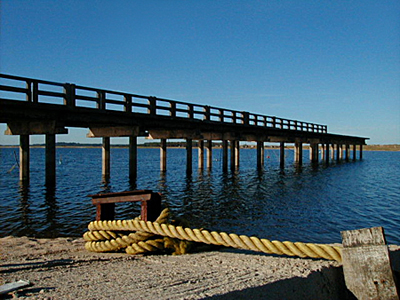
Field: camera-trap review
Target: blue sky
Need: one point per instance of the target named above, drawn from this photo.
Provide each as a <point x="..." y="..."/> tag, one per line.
<point x="327" y="62"/>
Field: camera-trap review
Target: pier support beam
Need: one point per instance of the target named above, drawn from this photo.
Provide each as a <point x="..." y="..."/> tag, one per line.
<point x="361" y="152"/>
<point x="354" y="152"/>
<point x="347" y="147"/>
<point x="314" y="153"/>
<point x="132" y="158"/>
<point x="50" y="159"/>
<point x="327" y="153"/>
<point x="106" y="158"/>
<point x="24" y="158"/>
<point x="189" y="156"/>
<point x="237" y="154"/>
<point x="163" y="155"/>
<point x="337" y="152"/>
<point x="201" y="154"/>
<point x="298" y="153"/>
<point x="260" y="155"/>
<point x="224" y="155"/>
<point x="341" y="151"/>
<point x="233" y="149"/>
<point x="209" y="154"/>
<point x="282" y="154"/>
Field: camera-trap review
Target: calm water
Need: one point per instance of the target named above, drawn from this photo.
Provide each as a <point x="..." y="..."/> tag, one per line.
<point x="311" y="204"/>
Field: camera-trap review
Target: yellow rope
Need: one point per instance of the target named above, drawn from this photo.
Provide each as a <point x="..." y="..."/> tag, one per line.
<point x="204" y="236"/>
<point x="107" y="240"/>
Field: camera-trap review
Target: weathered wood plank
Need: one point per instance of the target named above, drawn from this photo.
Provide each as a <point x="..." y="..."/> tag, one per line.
<point x="366" y="264"/>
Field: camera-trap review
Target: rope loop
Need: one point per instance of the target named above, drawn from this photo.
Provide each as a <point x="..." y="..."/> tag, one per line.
<point x="138" y="237"/>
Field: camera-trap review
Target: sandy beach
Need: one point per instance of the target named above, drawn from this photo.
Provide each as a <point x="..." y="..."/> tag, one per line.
<point x="62" y="269"/>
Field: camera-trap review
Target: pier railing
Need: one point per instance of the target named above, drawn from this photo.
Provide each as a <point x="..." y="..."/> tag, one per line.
<point x="72" y="95"/>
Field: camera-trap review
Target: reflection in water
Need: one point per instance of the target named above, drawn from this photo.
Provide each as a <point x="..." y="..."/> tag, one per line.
<point x="51" y="209"/>
<point x="310" y="204"/>
<point x="24" y="206"/>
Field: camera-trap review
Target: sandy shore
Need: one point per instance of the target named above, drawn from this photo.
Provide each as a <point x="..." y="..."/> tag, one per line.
<point x="62" y="269"/>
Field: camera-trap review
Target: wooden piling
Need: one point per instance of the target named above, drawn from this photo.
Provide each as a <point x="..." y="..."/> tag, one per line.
<point x="366" y="264"/>
<point x="163" y="155"/>
<point x="327" y="146"/>
<point x="341" y="151"/>
<point x="298" y="153"/>
<point x="209" y="154"/>
<point x="237" y="154"/>
<point x="354" y="152"/>
<point x="314" y="152"/>
<point x="224" y="155"/>
<point x="24" y="158"/>
<point x="260" y="155"/>
<point x="282" y="155"/>
<point x="132" y="158"/>
<point x="189" y="156"/>
<point x="361" y="152"/>
<point x="201" y="154"/>
<point x="233" y="155"/>
<point x="50" y="159"/>
<point x="106" y="158"/>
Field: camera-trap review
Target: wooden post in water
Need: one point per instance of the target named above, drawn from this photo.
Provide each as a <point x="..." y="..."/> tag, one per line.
<point x="337" y="152"/>
<point x="209" y="154"/>
<point x="132" y="158"/>
<point x="189" y="156"/>
<point x="341" y="151"/>
<point x="327" y="153"/>
<point x="200" y="152"/>
<point x="332" y="151"/>
<point x="282" y="155"/>
<point x="224" y="155"/>
<point x="50" y="159"/>
<point x="366" y="264"/>
<point x="354" y="152"/>
<point x="233" y="155"/>
<point x="163" y="155"/>
<point x="361" y="152"/>
<point x="314" y="152"/>
<point x="237" y="154"/>
<point x="298" y="153"/>
<point x="322" y="151"/>
<point x="260" y="155"/>
<point x="106" y="158"/>
<point x="347" y="146"/>
<point x="24" y="158"/>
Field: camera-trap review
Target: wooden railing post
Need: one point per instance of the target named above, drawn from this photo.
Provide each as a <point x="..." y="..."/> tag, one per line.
<point x="246" y="118"/>
<point x="28" y="91"/>
<point x="128" y="103"/>
<point x="190" y="111"/>
<point x="172" y="112"/>
<point x="35" y="92"/>
<point x="207" y="113"/>
<point x="69" y="94"/>
<point x="101" y="96"/>
<point x="152" y="110"/>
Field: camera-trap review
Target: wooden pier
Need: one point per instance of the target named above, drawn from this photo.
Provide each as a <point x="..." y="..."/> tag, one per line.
<point x="31" y="106"/>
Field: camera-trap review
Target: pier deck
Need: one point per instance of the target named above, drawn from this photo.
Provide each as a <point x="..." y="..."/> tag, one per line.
<point x="31" y="106"/>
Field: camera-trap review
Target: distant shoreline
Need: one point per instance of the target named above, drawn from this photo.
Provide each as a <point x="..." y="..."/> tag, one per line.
<point x="392" y="147"/>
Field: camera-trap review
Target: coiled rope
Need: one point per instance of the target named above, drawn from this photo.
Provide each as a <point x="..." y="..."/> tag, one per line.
<point x="102" y="237"/>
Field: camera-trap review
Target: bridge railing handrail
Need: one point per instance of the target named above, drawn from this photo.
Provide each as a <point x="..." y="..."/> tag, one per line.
<point x="81" y="96"/>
